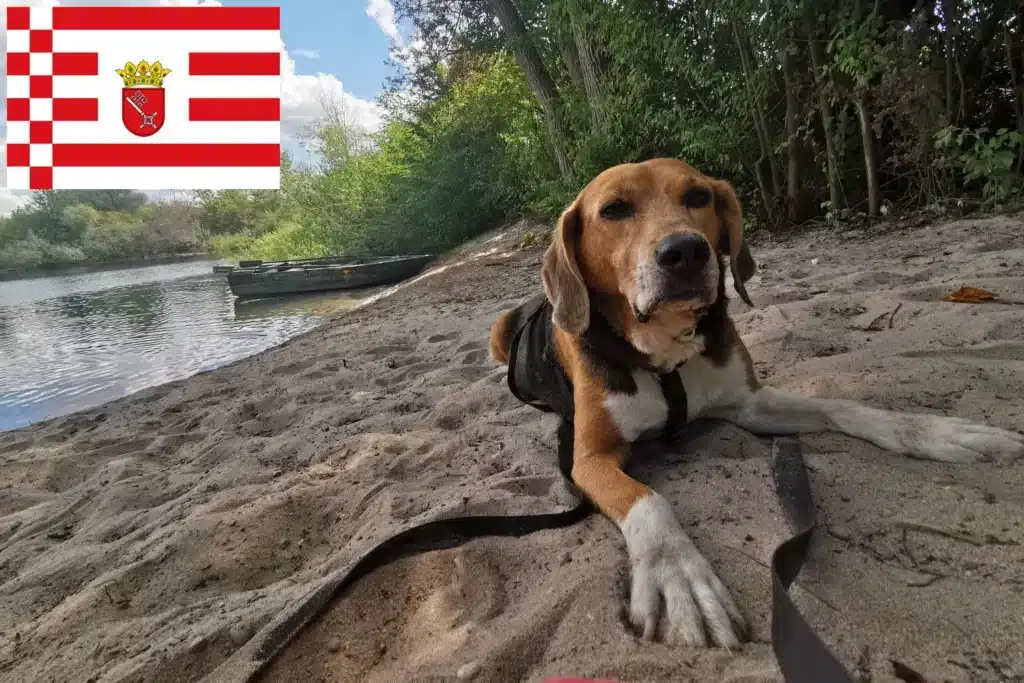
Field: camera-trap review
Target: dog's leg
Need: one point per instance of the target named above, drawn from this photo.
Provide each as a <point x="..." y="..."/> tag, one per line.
<point x="666" y="566"/>
<point x="723" y="392"/>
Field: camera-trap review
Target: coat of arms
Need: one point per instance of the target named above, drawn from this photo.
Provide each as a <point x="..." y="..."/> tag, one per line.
<point x="142" y="106"/>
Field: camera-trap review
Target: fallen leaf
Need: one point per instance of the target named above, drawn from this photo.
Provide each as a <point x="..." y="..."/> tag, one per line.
<point x="969" y="295"/>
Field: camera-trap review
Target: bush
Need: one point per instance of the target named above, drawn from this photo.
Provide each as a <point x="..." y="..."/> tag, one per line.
<point x="473" y="160"/>
<point x="64" y="226"/>
<point x="34" y="252"/>
<point x="986" y="159"/>
<point x="114" y="236"/>
<point x="290" y="241"/>
<point x="231" y="246"/>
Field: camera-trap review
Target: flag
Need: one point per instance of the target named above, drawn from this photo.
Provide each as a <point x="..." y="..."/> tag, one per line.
<point x="143" y="98"/>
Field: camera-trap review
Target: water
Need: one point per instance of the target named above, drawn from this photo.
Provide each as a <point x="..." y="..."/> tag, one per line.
<point x="70" y="342"/>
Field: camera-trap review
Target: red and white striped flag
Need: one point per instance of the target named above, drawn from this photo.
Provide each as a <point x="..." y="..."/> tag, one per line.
<point x="143" y="98"/>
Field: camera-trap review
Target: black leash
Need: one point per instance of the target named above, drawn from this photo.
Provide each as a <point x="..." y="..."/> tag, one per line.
<point x="802" y="656"/>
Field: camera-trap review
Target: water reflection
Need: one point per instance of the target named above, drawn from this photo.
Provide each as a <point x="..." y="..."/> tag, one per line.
<point x="72" y="342"/>
<point x="321" y="304"/>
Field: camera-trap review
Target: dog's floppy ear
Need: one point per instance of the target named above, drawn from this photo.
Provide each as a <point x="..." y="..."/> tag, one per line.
<point x="563" y="282"/>
<point x="730" y="240"/>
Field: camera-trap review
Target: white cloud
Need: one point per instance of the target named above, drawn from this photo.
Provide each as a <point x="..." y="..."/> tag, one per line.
<point x="9" y="201"/>
<point x="302" y="95"/>
<point x="308" y="54"/>
<point x="383" y="12"/>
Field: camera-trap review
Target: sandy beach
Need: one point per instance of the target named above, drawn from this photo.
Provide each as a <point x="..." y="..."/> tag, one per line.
<point x="151" y="539"/>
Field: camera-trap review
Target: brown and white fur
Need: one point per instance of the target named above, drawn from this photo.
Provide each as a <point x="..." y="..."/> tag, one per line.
<point x="608" y="254"/>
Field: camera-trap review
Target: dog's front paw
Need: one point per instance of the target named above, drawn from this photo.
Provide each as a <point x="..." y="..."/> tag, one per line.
<point x="952" y="439"/>
<point x="675" y="594"/>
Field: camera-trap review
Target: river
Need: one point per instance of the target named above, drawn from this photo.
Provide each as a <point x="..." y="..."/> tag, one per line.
<point x="74" y="341"/>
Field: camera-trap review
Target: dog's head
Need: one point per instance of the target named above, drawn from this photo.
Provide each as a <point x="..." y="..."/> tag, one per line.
<point x="653" y="236"/>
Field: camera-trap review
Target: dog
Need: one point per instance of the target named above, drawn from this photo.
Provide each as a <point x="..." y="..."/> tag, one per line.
<point x="634" y="291"/>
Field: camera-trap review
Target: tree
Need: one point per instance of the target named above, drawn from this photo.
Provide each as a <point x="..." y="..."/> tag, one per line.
<point x="336" y="135"/>
<point x="823" y="90"/>
<point x="858" y="66"/>
<point x="537" y="76"/>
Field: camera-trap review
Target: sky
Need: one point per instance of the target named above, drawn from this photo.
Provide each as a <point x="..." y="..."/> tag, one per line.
<point x="334" y="49"/>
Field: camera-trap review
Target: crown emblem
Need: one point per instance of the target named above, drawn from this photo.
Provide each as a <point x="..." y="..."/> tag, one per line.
<point x="143" y="73"/>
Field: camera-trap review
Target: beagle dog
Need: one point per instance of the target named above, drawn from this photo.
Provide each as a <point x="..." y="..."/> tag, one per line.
<point x="634" y="292"/>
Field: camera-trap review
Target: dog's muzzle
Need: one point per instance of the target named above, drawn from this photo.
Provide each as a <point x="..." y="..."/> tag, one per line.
<point x="678" y="272"/>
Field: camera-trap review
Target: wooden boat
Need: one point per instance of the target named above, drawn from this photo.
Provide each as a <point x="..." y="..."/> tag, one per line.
<point x="224" y="268"/>
<point x="256" y="279"/>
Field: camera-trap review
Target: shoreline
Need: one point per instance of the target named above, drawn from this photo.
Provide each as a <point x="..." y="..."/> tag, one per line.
<point x="79" y="267"/>
<point x="454" y="257"/>
<point x="150" y="538"/>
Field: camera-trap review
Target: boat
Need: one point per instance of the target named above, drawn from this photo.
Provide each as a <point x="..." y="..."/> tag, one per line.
<point x="224" y="268"/>
<point x="274" y="278"/>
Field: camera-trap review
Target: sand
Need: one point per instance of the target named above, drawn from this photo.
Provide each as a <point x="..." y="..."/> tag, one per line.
<point x="152" y="538"/>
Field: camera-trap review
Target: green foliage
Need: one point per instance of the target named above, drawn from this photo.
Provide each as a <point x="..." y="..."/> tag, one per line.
<point x="231" y="246"/>
<point x="532" y="239"/>
<point x="854" y="47"/>
<point x="475" y="158"/>
<point x="910" y="100"/>
<point x="663" y="95"/>
<point x="986" y="159"/>
<point x="33" y="252"/>
<point x="289" y="241"/>
<point x="60" y="227"/>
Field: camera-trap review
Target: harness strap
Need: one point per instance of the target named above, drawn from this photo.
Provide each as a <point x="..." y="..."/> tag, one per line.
<point x="513" y="357"/>
<point x="675" y="395"/>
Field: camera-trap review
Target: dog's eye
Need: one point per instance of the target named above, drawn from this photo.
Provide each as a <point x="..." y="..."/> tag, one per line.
<point x="616" y="210"/>
<point x="697" y="198"/>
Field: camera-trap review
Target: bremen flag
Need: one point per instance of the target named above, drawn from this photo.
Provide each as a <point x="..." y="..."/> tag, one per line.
<point x="143" y="98"/>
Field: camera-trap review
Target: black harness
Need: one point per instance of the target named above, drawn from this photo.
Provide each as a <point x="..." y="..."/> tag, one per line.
<point x="536" y="378"/>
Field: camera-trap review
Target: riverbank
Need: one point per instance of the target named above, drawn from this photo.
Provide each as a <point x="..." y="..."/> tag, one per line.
<point x="151" y="538"/>
<point x="76" y="267"/>
<point x="74" y="341"/>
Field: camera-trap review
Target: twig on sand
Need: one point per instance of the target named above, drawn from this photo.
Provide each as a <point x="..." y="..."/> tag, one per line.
<point x="929" y="580"/>
<point x="906" y="548"/>
<point x="795" y="583"/>
<point x="119" y="604"/>
<point x="892" y="316"/>
<point x="956" y="536"/>
<point x="932" y="576"/>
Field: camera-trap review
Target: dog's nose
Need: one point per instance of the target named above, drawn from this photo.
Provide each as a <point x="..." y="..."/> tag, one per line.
<point x="681" y="252"/>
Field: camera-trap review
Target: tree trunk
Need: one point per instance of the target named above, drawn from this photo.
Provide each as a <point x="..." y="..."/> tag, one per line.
<point x="867" y="138"/>
<point x="955" y="108"/>
<point x="543" y="87"/>
<point x="1018" y="90"/>
<point x="947" y="34"/>
<point x="761" y="173"/>
<point x="572" y="64"/>
<point x="758" y="115"/>
<point x="794" y="208"/>
<point x="589" y="69"/>
<point x="827" y="122"/>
